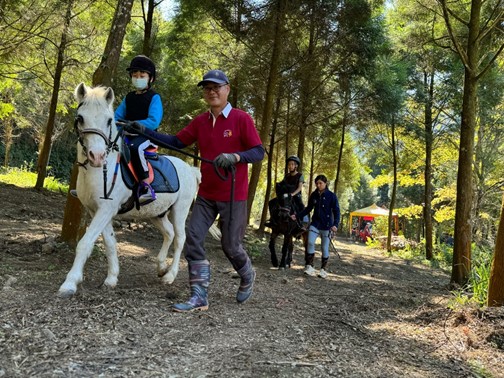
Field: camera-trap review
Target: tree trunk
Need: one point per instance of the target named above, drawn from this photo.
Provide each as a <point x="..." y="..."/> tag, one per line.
<point x="496" y="284"/>
<point x="429" y="90"/>
<point x="394" y="189"/>
<point x="345" y="86"/>
<point x="74" y="223"/>
<point x="269" y="180"/>
<point x="46" y="144"/>
<point x="269" y="98"/>
<point x="8" y="139"/>
<point x="305" y="97"/>
<point x="463" y="229"/>
<point x="235" y="81"/>
<point x="148" y="22"/>
<point x="476" y="65"/>
<point x="105" y="72"/>
<point x="311" y="184"/>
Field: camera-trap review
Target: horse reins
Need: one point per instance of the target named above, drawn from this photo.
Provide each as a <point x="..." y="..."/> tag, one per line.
<point x="112" y="146"/>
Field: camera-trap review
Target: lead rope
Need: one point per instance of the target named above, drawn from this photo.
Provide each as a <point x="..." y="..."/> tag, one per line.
<point x="224" y="177"/>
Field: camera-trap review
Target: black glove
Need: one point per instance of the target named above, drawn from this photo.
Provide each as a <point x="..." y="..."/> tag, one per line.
<point x="134" y="127"/>
<point x="226" y="161"/>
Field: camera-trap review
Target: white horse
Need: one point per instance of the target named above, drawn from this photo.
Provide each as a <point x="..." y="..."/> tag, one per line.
<point x="97" y="147"/>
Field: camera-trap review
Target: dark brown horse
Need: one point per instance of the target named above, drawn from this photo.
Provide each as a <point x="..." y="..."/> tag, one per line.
<point x="284" y="225"/>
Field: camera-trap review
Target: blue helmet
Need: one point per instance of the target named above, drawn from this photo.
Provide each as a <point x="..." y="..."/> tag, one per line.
<point x="295" y="159"/>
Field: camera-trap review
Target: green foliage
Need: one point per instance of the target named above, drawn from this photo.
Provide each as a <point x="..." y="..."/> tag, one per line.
<point x="23" y="178"/>
<point x="442" y="255"/>
<point x="380" y="226"/>
<point x="478" y="370"/>
<point x="373" y="243"/>
<point x="476" y="291"/>
<point x="480" y="274"/>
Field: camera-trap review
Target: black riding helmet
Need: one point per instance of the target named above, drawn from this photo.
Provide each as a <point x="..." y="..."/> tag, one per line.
<point x="294" y="158"/>
<point x="142" y="63"/>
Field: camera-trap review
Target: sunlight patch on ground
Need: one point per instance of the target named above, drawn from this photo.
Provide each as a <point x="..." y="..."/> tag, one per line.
<point x="128" y="249"/>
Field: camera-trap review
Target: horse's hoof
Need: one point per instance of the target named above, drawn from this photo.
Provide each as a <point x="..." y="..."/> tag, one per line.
<point x="65" y="294"/>
<point x="168" y="278"/>
<point x="110" y="283"/>
<point x="162" y="272"/>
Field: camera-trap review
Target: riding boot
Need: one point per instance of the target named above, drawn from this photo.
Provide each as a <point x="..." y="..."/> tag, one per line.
<point x="199" y="279"/>
<point x="309" y="259"/>
<point x="324" y="262"/>
<point x="323" y="272"/>
<point x="248" y="276"/>
<point x="309" y="265"/>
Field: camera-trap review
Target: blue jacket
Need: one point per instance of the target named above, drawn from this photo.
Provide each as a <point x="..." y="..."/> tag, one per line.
<point x="326" y="209"/>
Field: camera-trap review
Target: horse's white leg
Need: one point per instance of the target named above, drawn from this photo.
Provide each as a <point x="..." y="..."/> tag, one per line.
<point x="166" y="229"/>
<point x="110" y="249"/>
<point x="177" y="217"/>
<point x="83" y="251"/>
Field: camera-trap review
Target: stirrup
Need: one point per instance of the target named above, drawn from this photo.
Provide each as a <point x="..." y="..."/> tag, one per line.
<point x="147" y="197"/>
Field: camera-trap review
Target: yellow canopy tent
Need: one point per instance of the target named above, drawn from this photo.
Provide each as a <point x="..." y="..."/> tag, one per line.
<point x="370" y="212"/>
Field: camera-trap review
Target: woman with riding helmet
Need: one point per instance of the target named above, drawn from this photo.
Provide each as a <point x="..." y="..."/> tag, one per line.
<point x="291" y="184"/>
<point x="144" y="106"/>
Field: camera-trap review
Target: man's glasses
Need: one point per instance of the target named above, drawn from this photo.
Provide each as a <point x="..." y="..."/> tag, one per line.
<point x="213" y="88"/>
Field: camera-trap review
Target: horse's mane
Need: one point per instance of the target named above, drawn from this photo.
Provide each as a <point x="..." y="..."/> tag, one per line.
<point x="96" y="96"/>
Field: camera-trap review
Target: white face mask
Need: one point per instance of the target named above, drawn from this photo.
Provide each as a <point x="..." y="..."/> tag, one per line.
<point x="140" y="83"/>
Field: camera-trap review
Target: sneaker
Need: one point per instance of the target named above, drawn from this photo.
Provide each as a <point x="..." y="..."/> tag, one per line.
<point x="322" y="273"/>
<point x="147" y="197"/>
<point x="310" y="271"/>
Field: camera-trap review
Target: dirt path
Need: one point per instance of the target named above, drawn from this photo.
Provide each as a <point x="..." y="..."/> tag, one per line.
<point x="374" y="316"/>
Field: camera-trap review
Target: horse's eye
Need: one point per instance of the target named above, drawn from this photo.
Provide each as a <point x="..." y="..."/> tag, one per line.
<point x="79" y="120"/>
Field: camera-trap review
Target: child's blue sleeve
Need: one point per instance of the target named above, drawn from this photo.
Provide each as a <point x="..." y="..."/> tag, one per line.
<point x="155" y="113"/>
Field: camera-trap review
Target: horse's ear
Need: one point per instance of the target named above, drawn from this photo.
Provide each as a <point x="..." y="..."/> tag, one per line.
<point x="80" y="92"/>
<point x="109" y="95"/>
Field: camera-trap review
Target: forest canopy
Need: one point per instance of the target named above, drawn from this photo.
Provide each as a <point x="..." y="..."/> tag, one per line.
<point x="383" y="97"/>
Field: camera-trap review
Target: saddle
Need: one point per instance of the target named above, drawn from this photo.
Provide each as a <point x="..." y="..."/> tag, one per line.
<point x="163" y="176"/>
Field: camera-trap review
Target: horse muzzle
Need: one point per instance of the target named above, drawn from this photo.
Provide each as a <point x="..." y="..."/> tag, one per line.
<point x="96" y="159"/>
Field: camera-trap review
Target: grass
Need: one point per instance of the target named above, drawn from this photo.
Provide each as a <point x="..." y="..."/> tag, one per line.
<point x="23" y="178"/>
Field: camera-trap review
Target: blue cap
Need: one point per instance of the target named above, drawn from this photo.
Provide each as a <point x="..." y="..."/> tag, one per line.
<point x="214" y="76"/>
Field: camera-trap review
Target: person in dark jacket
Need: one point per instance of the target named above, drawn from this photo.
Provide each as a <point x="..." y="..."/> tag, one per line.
<point x="292" y="184"/>
<point x="325" y="220"/>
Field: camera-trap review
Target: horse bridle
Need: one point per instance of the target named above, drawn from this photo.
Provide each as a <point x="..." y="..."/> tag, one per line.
<point x="111" y="146"/>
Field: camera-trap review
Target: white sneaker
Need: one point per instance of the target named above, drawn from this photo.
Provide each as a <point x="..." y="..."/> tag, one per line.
<point x="322" y="273"/>
<point x="310" y="271"/>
